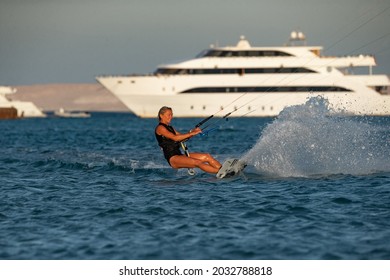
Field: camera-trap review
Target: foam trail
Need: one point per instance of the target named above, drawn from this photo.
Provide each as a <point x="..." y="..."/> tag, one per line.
<point x="307" y="140"/>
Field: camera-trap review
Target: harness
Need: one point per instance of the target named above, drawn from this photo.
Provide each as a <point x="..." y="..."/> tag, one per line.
<point x="170" y="147"/>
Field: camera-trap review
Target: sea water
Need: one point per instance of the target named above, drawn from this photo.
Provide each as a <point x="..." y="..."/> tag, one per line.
<point x="317" y="186"/>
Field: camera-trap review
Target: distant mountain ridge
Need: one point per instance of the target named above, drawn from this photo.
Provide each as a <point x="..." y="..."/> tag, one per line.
<point x="80" y="97"/>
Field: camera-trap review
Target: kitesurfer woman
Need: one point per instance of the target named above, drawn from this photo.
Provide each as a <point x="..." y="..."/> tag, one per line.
<point x="170" y="142"/>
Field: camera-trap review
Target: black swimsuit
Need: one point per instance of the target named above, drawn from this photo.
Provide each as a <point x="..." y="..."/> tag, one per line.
<point x="170" y="148"/>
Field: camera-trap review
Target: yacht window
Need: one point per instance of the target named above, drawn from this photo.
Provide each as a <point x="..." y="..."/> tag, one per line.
<point x="248" y="53"/>
<point x="266" y="89"/>
<point x="203" y="71"/>
<point x="381" y="89"/>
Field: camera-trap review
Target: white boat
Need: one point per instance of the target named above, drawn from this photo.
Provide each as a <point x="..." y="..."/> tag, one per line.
<point x="25" y="109"/>
<point x="254" y="81"/>
<point x="68" y="114"/>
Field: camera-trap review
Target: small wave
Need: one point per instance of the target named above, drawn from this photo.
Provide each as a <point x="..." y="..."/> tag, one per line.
<point x="342" y="200"/>
<point x="309" y="139"/>
<point x="94" y="161"/>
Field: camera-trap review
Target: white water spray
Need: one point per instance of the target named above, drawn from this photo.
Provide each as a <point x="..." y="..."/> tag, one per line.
<point x="307" y="140"/>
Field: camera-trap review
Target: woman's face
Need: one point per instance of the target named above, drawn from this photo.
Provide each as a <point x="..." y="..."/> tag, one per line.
<point x="167" y="116"/>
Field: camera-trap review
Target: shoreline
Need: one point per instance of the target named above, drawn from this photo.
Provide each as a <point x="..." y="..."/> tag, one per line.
<point x="73" y="97"/>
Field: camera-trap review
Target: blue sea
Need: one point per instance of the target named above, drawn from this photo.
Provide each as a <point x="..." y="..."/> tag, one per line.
<point x="317" y="186"/>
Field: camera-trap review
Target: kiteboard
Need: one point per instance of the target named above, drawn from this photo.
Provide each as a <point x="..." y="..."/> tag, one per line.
<point x="230" y="168"/>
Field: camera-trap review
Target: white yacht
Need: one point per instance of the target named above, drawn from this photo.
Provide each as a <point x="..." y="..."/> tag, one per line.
<point x="24" y="109"/>
<point x="255" y="81"/>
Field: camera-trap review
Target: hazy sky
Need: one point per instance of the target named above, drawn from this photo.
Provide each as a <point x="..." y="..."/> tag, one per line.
<point x="72" y="41"/>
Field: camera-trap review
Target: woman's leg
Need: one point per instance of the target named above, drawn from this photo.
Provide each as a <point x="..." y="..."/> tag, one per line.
<point x="207" y="158"/>
<point x="203" y="161"/>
